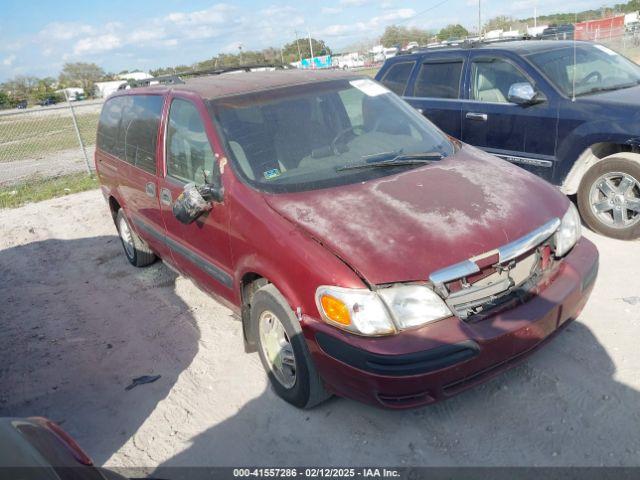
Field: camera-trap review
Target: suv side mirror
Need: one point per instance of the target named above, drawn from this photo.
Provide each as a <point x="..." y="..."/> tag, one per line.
<point x="522" y="94"/>
<point x="194" y="201"/>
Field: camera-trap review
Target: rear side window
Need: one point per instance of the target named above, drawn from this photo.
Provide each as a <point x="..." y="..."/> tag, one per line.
<point x="397" y="76"/>
<point x="128" y="129"/>
<point x="109" y="126"/>
<point x="439" y="80"/>
<point x="140" y="120"/>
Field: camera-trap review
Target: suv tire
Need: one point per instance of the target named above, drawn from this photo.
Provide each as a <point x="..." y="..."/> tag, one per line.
<point x="604" y="200"/>
<point x="279" y="336"/>
<point x="136" y="250"/>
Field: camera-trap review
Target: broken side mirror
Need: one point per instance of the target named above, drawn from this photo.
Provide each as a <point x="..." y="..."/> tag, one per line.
<point x="194" y="201"/>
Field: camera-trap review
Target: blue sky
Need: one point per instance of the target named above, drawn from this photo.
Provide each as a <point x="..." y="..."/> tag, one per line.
<point x="38" y="37"/>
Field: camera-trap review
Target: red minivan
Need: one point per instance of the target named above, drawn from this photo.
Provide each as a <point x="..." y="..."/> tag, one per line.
<point x="367" y="254"/>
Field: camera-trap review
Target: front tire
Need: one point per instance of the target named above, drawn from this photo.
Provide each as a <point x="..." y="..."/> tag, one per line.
<point x="609" y="198"/>
<point x="283" y="350"/>
<point x="136" y="250"/>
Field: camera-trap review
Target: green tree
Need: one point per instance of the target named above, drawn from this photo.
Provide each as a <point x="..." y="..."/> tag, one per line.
<point x="395" y="35"/>
<point x="81" y="74"/>
<point x="290" y="50"/>
<point x="4" y="100"/>
<point x="452" y="31"/>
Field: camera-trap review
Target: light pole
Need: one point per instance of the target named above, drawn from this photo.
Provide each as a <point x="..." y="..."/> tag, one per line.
<point x="480" y="19"/>
<point x="240" y="49"/>
<point x="310" y="48"/>
<point x="298" y="45"/>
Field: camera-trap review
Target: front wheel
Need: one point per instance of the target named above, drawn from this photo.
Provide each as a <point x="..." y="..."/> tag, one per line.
<point x="609" y="198"/>
<point x="137" y="251"/>
<point x="283" y="350"/>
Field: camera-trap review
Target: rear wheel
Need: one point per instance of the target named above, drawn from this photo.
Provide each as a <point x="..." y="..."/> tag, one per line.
<point x="283" y="350"/>
<point x="609" y="198"/>
<point x="136" y="250"/>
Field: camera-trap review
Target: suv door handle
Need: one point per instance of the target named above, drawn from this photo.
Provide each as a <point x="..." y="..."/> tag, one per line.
<point x="480" y="117"/>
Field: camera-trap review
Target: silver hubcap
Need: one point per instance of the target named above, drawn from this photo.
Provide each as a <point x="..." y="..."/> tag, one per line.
<point x="277" y="349"/>
<point x="615" y="200"/>
<point x="126" y="236"/>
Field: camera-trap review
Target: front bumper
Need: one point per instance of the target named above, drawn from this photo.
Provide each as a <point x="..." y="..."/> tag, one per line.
<point x="434" y="362"/>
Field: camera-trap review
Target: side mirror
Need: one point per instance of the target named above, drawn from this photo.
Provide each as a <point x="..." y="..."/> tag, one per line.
<point x="522" y="94"/>
<point x="194" y="201"/>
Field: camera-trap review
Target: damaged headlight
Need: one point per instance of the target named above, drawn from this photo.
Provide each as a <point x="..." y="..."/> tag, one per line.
<point x="382" y="312"/>
<point x="569" y="231"/>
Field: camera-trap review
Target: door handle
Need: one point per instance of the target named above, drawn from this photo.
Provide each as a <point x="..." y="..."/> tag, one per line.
<point x="165" y="196"/>
<point x="480" y="117"/>
<point x="150" y="189"/>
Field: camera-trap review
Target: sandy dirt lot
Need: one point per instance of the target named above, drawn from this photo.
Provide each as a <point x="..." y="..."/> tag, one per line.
<point x="78" y="323"/>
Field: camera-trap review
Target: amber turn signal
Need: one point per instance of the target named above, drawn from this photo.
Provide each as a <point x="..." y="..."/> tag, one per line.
<point x="335" y="310"/>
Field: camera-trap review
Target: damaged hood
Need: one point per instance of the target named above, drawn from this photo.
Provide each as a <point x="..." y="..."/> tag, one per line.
<point x="403" y="227"/>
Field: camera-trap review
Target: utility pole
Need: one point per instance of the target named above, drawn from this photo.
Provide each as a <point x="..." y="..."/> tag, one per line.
<point x="310" y="48"/>
<point x="298" y="44"/>
<point x="240" y="49"/>
<point x="479" y="19"/>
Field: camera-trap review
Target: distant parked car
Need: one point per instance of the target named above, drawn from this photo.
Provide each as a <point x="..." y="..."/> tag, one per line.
<point x="558" y="32"/>
<point x="22" y="104"/>
<point x="48" y="101"/>
<point x="368" y="254"/>
<point x="36" y="448"/>
<point x="568" y="112"/>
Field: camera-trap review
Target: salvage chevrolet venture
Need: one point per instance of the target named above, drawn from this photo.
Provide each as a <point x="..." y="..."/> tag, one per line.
<point x="367" y="254"/>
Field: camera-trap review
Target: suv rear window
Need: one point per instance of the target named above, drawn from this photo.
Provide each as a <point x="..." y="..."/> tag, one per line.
<point x="397" y="77"/>
<point x="439" y="80"/>
<point x="128" y="129"/>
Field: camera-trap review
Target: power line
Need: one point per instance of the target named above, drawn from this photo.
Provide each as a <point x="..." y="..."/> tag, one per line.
<point x="422" y="12"/>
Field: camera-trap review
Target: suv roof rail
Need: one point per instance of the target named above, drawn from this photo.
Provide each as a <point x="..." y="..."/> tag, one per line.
<point x="466" y="43"/>
<point x="178" y="78"/>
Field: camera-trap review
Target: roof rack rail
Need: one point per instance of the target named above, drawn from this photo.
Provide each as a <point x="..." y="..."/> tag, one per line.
<point x="178" y="78"/>
<point x="466" y="43"/>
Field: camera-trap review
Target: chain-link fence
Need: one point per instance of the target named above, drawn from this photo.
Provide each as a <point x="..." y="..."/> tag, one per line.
<point x="47" y="141"/>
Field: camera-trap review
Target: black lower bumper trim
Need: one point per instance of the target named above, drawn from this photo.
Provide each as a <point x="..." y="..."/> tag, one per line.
<point x="416" y="363"/>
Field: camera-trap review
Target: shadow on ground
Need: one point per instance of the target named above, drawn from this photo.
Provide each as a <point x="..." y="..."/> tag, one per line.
<point x="78" y="323"/>
<point x="561" y="407"/>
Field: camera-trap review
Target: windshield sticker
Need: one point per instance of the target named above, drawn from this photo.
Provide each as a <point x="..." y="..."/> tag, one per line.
<point x="273" y="173"/>
<point x="604" y="49"/>
<point x="369" y="87"/>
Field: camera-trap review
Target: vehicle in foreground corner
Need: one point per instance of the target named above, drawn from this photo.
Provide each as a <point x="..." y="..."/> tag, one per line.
<point x="368" y="254"/>
<point x="566" y="111"/>
<point x="36" y="448"/>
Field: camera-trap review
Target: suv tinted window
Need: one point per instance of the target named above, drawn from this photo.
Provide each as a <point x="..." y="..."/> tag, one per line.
<point x="492" y="78"/>
<point x="128" y="129"/>
<point x="189" y="154"/>
<point x="397" y="76"/>
<point x="139" y="135"/>
<point x="439" y="80"/>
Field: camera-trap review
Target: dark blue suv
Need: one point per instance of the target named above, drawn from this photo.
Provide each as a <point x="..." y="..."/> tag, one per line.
<point x="567" y="111"/>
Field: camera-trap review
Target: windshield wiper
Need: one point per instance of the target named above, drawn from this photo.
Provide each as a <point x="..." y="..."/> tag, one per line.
<point x="402" y="159"/>
<point x="608" y="89"/>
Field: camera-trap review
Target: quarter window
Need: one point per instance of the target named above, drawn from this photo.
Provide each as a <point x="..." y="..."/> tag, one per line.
<point x="492" y="78"/>
<point x="439" y="80"/>
<point x="397" y="76"/>
<point x="189" y="154"/>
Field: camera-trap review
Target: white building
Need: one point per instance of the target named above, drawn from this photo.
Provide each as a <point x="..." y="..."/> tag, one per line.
<point x="72" y="93"/>
<point x="104" y="89"/>
<point x="134" y="76"/>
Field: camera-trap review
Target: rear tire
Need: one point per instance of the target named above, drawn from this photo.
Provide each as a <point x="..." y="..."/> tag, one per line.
<point x="609" y="198"/>
<point x="285" y="357"/>
<point x="135" y="249"/>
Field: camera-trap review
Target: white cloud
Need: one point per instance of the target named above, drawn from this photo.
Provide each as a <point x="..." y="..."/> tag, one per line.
<point x="353" y="3"/>
<point x="330" y="10"/>
<point x="100" y="43"/>
<point x="374" y="23"/>
<point x="216" y="14"/>
<point x="8" y="61"/>
<point x="57" y="31"/>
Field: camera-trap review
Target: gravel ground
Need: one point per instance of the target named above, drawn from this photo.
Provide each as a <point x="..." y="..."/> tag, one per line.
<point x="78" y="323"/>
